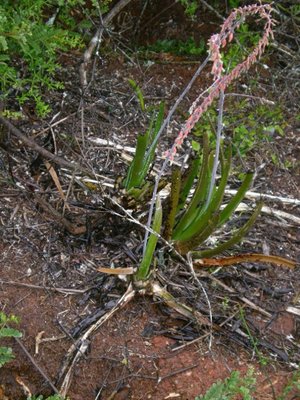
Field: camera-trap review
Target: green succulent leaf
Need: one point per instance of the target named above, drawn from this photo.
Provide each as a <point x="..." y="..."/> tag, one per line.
<point x="236" y="238"/>
<point x="151" y="138"/>
<point x="9" y="332"/>
<point x="6" y="355"/>
<point x="134" y="176"/>
<point x="139" y="167"/>
<point x="200" y="222"/>
<point x="173" y="202"/>
<point x="188" y="181"/>
<point x="138" y="92"/>
<point x="235" y="201"/>
<point x="184" y="246"/>
<point x="144" y="268"/>
<point x="201" y="190"/>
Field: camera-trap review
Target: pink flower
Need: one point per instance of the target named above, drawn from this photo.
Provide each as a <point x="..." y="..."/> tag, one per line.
<point x="221" y="83"/>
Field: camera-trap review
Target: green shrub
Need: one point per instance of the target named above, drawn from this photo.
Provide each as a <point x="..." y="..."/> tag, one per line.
<point x="248" y="126"/>
<point x="239" y="387"/>
<point x="6" y="331"/>
<point x="231" y="387"/>
<point x="179" y="47"/>
<point x="190" y="7"/>
<point x="32" y="32"/>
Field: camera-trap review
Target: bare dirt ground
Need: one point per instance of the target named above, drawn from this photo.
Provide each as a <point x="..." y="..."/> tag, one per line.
<point x="49" y="263"/>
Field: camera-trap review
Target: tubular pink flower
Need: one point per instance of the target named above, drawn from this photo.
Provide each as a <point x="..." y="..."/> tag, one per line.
<point x="221" y="82"/>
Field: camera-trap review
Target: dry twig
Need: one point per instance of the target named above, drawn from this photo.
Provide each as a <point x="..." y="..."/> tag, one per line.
<point x="43" y="152"/>
<point x="81" y="345"/>
<point x="36" y="366"/>
<point x="96" y="39"/>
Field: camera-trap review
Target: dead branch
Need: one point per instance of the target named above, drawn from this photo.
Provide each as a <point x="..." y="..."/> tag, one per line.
<point x="293" y="310"/>
<point x="80" y="346"/>
<point x="282" y="215"/>
<point x="36" y="366"/>
<point x="262" y="196"/>
<point x="43" y="152"/>
<point x="249" y="257"/>
<point x="50" y="288"/>
<point x="69" y="226"/>
<point x="96" y="39"/>
<point x="229" y="289"/>
<point x="207" y="5"/>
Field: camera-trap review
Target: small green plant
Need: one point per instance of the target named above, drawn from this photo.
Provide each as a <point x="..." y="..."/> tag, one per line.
<point x="232" y="387"/>
<point x="230" y="3"/>
<point x="278" y="162"/>
<point x="6" y="331"/>
<point x="247" y="126"/>
<point x="262" y="360"/>
<point x="225" y="303"/>
<point x="28" y="60"/>
<point x="292" y="385"/>
<point x="179" y="47"/>
<point x="295" y="10"/>
<point x="237" y="387"/>
<point x="190" y="7"/>
<point x="233" y="3"/>
<point x="138" y="92"/>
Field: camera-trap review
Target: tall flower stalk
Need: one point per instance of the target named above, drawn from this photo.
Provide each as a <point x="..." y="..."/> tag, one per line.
<point x="220" y="81"/>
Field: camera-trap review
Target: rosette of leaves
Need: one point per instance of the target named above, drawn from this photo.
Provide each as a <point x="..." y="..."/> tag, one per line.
<point x="191" y="225"/>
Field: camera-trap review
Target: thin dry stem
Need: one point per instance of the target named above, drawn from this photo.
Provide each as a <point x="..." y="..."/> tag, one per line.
<point x="96" y="39"/>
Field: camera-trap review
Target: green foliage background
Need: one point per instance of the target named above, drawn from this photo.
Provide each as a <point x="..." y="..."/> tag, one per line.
<point x="32" y="33"/>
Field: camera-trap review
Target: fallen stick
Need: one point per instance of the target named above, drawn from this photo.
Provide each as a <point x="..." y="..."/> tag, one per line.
<point x="293" y="310"/>
<point x="81" y="345"/>
<point x="43" y="152"/>
<point x="262" y="196"/>
<point x="36" y="366"/>
<point x="271" y="211"/>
